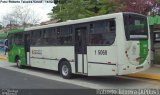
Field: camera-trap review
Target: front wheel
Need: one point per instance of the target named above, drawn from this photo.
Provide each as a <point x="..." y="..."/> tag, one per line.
<point x="18" y="62"/>
<point x="65" y="70"/>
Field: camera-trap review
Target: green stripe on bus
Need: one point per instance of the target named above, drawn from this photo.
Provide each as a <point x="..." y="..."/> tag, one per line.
<point x="143" y="50"/>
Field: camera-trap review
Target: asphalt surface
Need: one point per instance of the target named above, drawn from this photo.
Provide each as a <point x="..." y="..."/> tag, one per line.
<point x="104" y="82"/>
<point x="19" y="83"/>
<point x="16" y="80"/>
<point x="35" y="78"/>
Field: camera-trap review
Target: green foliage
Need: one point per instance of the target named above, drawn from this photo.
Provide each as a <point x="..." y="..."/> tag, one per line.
<point x="77" y="9"/>
<point x="158" y="1"/>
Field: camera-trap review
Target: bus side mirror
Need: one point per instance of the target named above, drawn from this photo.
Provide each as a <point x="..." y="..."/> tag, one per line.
<point x="156" y="37"/>
<point x="6" y="43"/>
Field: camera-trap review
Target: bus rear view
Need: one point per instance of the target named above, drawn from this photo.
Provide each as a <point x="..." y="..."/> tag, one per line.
<point x="136" y="47"/>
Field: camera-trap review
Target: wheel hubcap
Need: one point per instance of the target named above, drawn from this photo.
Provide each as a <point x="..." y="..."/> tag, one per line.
<point x="65" y="70"/>
<point x="18" y="63"/>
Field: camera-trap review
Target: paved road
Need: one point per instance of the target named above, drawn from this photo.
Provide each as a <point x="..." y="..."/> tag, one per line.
<point x="40" y="78"/>
<point x="13" y="79"/>
<point x="18" y="83"/>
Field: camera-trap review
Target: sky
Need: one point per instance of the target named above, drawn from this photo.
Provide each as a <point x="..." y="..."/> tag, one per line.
<point x="39" y="8"/>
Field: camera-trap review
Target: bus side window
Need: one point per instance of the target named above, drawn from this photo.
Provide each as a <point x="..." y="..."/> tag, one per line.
<point x="102" y="32"/>
<point x="18" y="39"/>
<point x="36" y="38"/>
<point x="112" y="25"/>
<point x="110" y="32"/>
<point x="64" y="35"/>
<point x="52" y="37"/>
<point x="44" y="37"/>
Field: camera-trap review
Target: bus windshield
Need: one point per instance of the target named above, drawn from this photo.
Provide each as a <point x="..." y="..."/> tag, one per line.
<point x="135" y="27"/>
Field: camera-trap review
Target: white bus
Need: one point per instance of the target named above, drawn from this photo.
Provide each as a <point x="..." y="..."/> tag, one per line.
<point x="107" y="45"/>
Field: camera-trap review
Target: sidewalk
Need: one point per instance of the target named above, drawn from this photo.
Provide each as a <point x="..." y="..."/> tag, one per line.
<point x="151" y="73"/>
<point x="3" y="58"/>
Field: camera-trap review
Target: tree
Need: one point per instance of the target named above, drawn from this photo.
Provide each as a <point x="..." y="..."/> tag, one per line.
<point x="73" y="9"/>
<point x="158" y="1"/>
<point x="137" y="6"/>
<point x="156" y="8"/>
<point x="108" y="6"/>
<point x="76" y="9"/>
<point x="60" y="1"/>
<point x="21" y="15"/>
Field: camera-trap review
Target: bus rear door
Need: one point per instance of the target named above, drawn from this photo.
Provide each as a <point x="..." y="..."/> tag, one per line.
<point x="81" y="49"/>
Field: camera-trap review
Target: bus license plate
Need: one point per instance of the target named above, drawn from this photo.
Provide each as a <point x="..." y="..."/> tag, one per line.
<point x="140" y="67"/>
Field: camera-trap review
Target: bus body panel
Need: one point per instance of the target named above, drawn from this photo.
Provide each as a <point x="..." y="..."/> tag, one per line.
<point x="101" y="69"/>
<point x="82" y="63"/>
<point x="102" y="54"/>
<point x="128" y="68"/>
<point x="17" y="50"/>
<point x="103" y="58"/>
<point x="28" y="59"/>
<point x="49" y="57"/>
<point x="44" y="63"/>
<point x="135" y="59"/>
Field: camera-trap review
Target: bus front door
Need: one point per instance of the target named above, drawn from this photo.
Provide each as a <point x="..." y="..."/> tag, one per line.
<point x="81" y="50"/>
<point x="27" y="47"/>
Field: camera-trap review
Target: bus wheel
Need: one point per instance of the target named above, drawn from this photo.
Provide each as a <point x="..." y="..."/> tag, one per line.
<point x="18" y="62"/>
<point x="65" y="70"/>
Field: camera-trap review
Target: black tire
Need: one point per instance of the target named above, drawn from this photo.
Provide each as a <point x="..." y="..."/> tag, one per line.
<point x="18" y="62"/>
<point x="65" y="70"/>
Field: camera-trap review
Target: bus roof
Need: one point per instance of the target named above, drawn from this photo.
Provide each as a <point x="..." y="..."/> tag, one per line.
<point x="70" y="22"/>
<point x="15" y="31"/>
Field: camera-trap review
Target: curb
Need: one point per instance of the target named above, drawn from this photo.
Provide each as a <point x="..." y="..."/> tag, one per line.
<point x="145" y="76"/>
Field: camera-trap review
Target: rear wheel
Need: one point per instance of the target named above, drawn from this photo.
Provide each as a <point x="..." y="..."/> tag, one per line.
<point x="65" y="70"/>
